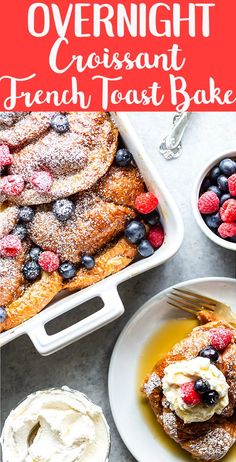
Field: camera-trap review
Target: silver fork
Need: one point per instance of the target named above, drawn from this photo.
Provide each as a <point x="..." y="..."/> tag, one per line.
<point x="193" y="303"/>
<point x="171" y="145"/>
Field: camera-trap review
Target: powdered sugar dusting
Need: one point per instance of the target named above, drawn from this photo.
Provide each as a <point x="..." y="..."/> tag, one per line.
<point x="213" y="445"/>
<point x="76" y="159"/>
<point x="152" y="383"/>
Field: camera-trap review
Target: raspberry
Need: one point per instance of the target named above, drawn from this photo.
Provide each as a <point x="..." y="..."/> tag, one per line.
<point x="189" y="394"/>
<point x="226" y="230"/>
<point x="146" y="203"/>
<point x="232" y="184"/>
<point x="156" y="236"/>
<point x="13" y="185"/>
<point x="10" y="246"/>
<point x="6" y="158"/>
<point x="220" y="338"/>
<point x="42" y="181"/>
<point x="228" y="211"/>
<point x="208" y="203"/>
<point x="49" y="261"/>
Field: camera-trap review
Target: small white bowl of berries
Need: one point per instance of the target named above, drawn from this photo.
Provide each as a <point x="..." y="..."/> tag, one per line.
<point x="214" y="200"/>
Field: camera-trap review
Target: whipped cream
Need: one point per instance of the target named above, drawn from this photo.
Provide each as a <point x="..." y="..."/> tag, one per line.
<point x="178" y="373"/>
<point x="56" y="425"/>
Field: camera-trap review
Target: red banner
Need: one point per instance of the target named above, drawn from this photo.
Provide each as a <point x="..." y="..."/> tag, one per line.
<point x="144" y="56"/>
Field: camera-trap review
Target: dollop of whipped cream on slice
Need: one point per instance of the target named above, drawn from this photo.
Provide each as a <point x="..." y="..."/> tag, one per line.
<point x="68" y="428"/>
<point x="178" y="373"/>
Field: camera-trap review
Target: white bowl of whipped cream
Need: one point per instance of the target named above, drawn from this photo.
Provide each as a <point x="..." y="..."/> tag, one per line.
<point x="56" y="425"/>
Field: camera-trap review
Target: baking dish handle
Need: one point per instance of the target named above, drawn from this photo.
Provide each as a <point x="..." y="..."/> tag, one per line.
<point x="48" y="344"/>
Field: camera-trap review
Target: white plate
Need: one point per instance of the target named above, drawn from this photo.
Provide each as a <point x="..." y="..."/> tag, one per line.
<point x="130" y="423"/>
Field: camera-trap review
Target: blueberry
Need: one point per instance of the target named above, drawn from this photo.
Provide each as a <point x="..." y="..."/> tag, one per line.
<point x="135" y="231"/>
<point x="26" y="214"/>
<point x="34" y="253"/>
<point x="145" y="249"/>
<point x="228" y="167"/>
<point x="210" y="398"/>
<point x="232" y="239"/>
<point x="210" y="353"/>
<point x="153" y="218"/>
<point x="31" y="271"/>
<point x="67" y="270"/>
<point x="213" y="221"/>
<point x="3" y="314"/>
<point x="222" y="183"/>
<point x="202" y="386"/>
<point x="205" y="184"/>
<point x="215" y="173"/>
<point x="224" y="198"/>
<point x="123" y="157"/>
<point x="88" y="261"/>
<point x="63" y="209"/>
<point x="216" y="190"/>
<point x="20" y="231"/>
<point x="60" y="123"/>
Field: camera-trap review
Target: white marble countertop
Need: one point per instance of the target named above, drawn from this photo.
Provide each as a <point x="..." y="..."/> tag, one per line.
<point x="84" y="365"/>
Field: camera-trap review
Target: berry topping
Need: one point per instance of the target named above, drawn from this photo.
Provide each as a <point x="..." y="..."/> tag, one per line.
<point x="13" y="185"/>
<point x="26" y="214"/>
<point x="63" y="209"/>
<point x="20" y="230"/>
<point x="210" y="353"/>
<point x="216" y="190"/>
<point x="6" y="158"/>
<point x="31" y="271"/>
<point x="10" y="246"/>
<point x="88" y="262"/>
<point x="49" y="261"/>
<point x="34" y="253"/>
<point x="228" y="211"/>
<point x="60" y="123"/>
<point x="153" y="218"/>
<point x="208" y="203"/>
<point x="227" y="230"/>
<point x="156" y="236"/>
<point x="224" y="198"/>
<point x="201" y="386"/>
<point x="123" y="158"/>
<point x="232" y="184"/>
<point x="213" y="221"/>
<point x="145" y="249"/>
<point x="42" y="181"/>
<point x="146" y="202"/>
<point x="3" y="314"/>
<point x="205" y="185"/>
<point x="135" y="231"/>
<point x="210" y="398"/>
<point x="215" y="173"/>
<point x="220" y="338"/>
<point x="67" y="270"/>
<point x="228" y="167"/>
<point x="189" y="394"/>
<point x="222" y="183"/>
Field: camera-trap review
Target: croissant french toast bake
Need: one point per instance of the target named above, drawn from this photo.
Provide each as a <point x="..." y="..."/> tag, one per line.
<point x="73" y="208"/>
<point x="192" y="391"/>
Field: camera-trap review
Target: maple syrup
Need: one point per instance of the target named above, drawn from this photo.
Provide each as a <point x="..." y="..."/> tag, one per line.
<point x="158" y="346"/>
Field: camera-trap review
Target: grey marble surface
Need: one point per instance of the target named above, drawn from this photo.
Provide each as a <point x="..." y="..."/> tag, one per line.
<point x="84" y="365"/>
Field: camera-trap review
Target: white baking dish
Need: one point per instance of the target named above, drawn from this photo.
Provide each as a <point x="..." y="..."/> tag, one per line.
<point x="107" y="289"/>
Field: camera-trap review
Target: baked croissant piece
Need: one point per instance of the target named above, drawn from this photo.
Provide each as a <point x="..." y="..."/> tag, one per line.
<point x="56" y="155"/>
<point x="203" y="424"/>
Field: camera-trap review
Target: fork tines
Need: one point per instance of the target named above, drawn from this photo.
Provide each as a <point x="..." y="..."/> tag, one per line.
<point x="190" y="301"/>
